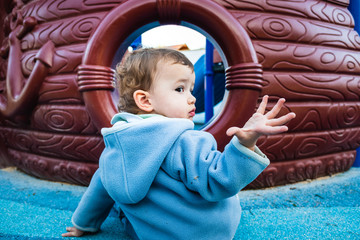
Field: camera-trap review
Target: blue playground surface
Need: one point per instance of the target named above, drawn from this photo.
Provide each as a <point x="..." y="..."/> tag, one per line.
<point x="325" y="208"/>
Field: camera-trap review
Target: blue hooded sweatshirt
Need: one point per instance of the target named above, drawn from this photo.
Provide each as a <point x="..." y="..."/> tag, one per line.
<point x="169" y="180"/>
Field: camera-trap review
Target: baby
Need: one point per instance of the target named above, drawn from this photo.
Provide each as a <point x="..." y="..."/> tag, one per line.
<point x="168" y="180"/>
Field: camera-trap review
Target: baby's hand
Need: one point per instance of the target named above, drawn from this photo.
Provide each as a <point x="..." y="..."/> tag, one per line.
<point x="72" y="232"/>
<point x="261" y="124"/>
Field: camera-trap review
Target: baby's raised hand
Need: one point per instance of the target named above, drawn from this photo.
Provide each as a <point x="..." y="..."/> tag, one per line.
<point x="261" y="124"/>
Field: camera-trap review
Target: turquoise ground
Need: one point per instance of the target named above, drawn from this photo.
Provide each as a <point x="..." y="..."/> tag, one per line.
<point x="327" y="208"/>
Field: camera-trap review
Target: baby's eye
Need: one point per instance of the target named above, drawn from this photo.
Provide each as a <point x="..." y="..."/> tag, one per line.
<point x="180" y="89"/>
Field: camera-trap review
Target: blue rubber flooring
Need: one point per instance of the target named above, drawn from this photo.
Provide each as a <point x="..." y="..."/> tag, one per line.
<point x="326" y="208"/>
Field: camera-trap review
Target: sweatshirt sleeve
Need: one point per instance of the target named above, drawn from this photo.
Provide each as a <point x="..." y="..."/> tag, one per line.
<point x="94" y="206"/>
<point x="195" y="160"/>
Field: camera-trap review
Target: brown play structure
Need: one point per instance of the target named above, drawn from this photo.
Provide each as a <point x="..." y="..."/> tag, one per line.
<point x="57" y="79"/>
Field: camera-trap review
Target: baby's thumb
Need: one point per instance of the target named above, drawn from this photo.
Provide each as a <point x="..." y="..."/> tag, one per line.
<point x="232" y="131"/>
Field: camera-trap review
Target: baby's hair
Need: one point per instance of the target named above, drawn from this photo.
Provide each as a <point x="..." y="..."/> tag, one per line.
<point x="138" y="70"/>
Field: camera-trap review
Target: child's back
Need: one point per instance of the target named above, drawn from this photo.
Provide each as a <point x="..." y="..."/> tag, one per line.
<point x="168" y="180"/>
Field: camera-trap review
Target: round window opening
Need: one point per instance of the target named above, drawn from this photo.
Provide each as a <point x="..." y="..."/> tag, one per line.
<point x="209" y="67"/>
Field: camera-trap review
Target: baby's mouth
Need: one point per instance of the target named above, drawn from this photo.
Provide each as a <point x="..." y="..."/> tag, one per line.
<point x="192" y="112"/>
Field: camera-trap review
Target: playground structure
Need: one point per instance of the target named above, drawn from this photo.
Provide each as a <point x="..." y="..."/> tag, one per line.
<point x="56" y="79"/>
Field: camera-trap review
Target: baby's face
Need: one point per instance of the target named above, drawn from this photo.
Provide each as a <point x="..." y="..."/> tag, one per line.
<point x="171" y="91"/>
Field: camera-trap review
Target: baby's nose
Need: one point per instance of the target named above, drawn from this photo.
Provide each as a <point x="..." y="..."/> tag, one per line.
<point x="191" y="100"/>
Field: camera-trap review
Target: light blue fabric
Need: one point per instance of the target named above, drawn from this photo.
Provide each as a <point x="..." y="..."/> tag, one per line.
<point x="169" y="180"/>
<point x="92" y="211"/>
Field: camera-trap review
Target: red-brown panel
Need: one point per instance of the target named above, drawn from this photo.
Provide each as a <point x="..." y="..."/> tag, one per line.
<point x="293" y="146"/>
<point x="264" y="26"/>
<point x="72" y="147"/>
<point x="312" y="87"/>
<point x="61" y="32"/>
<point x="300" y="170"/>
<point x="48" y="10"/>
<point x="317" y="10"/>
<point x="54" y="169"/>
<point x="62" y="119"/>
<point x="66" y="59"/>
<point x="281" y="56"/>
<point x="60" y="89"/>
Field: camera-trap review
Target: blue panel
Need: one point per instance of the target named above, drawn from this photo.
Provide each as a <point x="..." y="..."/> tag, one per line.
<point x="209" y="99"/>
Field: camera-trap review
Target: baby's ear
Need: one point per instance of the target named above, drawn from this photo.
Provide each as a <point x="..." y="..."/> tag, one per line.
<point x="142" y="101"/>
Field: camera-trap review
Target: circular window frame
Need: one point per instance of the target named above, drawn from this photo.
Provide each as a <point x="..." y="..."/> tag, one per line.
<point x="122" y="24"/>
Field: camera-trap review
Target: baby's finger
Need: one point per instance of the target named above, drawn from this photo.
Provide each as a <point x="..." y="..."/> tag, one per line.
<point x="68" y="234"/>
<point x="281" y="120"/>
<point x="262" y="107"/>
<point x="72" y="232"/>
<point x="273" y="130"/>
<point x="276" y="109"/>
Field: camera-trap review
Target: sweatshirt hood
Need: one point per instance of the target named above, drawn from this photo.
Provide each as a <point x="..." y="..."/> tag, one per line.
<point x="135" y="148"/>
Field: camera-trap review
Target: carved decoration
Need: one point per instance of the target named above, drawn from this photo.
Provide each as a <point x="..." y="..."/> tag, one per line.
<point x="56" y="80"/>
<point x="95" y="77"/>
<point x="20" y="94"/>
<point x="63" y="118"/>
<point x="75" y="147"/>
<point x="248" y="75"/>
<point x="60" y="89"/>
